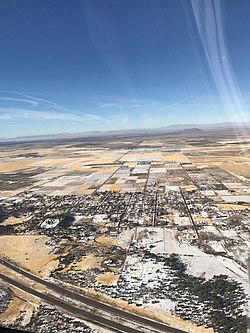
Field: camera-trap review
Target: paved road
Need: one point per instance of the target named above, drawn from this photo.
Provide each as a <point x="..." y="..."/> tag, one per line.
<point x="79" y="313"/>
<point x="190" y="215"/>
<point x="97" y="305"/>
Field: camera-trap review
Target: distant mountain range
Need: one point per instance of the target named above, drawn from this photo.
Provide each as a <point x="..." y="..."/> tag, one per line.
<point x="177" y="129"/>
<point x="208" y="126"/>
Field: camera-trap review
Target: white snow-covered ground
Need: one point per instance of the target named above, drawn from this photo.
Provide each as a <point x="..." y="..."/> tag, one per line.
<point x="235" y="198"/>
<point x="139" y="271"/>
<point x="146" y="271"/>
<point x="229" y="233"/>
<point x="125" y="237"/>
<point x="164" y="304"/>
<point x="223" y="193"/>
<point x="211" y="228"/>
<point x="180" y="220"/>
<point x="208" y="193"/>
<point x="209" y="265"/>
<point x="217" y="247"/>
<point x="162" y="240"/>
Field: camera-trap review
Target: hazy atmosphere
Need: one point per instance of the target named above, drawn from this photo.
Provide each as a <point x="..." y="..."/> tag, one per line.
<point x="96" y="65"/>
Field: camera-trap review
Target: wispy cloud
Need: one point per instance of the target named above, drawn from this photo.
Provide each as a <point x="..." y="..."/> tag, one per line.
<point x="149" y="105"/>
<point x="126" y="103"/>
<point x="29" y="99"/>
<point x="15" y="113"/>
<point x="20" y="100"/>
<point x="40" y="100"/>
<point x="43" y="109"/>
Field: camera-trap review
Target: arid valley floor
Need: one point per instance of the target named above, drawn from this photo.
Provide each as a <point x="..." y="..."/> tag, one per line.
<point x="157" y="226"/>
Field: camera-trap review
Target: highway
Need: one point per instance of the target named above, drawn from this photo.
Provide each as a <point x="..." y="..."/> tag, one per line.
<point x="75" y="311"/>
<point x="120" y="322"/>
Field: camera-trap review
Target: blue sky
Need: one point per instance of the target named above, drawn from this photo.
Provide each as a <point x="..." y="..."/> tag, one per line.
<point x="84" y="65"/>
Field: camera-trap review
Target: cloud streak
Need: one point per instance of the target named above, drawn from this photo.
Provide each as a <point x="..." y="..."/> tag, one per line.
<point x="129" y="103"/>
<point x="29" y="98"/>
<point x="13" y="113"/>
<point x="180" y="101"/>
<point x="20" y="100"/>
<point x="43" y="109"/>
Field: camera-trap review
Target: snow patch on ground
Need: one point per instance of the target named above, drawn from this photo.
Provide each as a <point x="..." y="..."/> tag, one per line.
<point x="124" y="238"/>
<point x="164" y="304"/>
<point x="162" y="240"/>
<point x="208" y="265"/>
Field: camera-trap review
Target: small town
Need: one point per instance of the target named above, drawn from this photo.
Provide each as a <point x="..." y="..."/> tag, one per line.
<point x="144" y="244"/>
